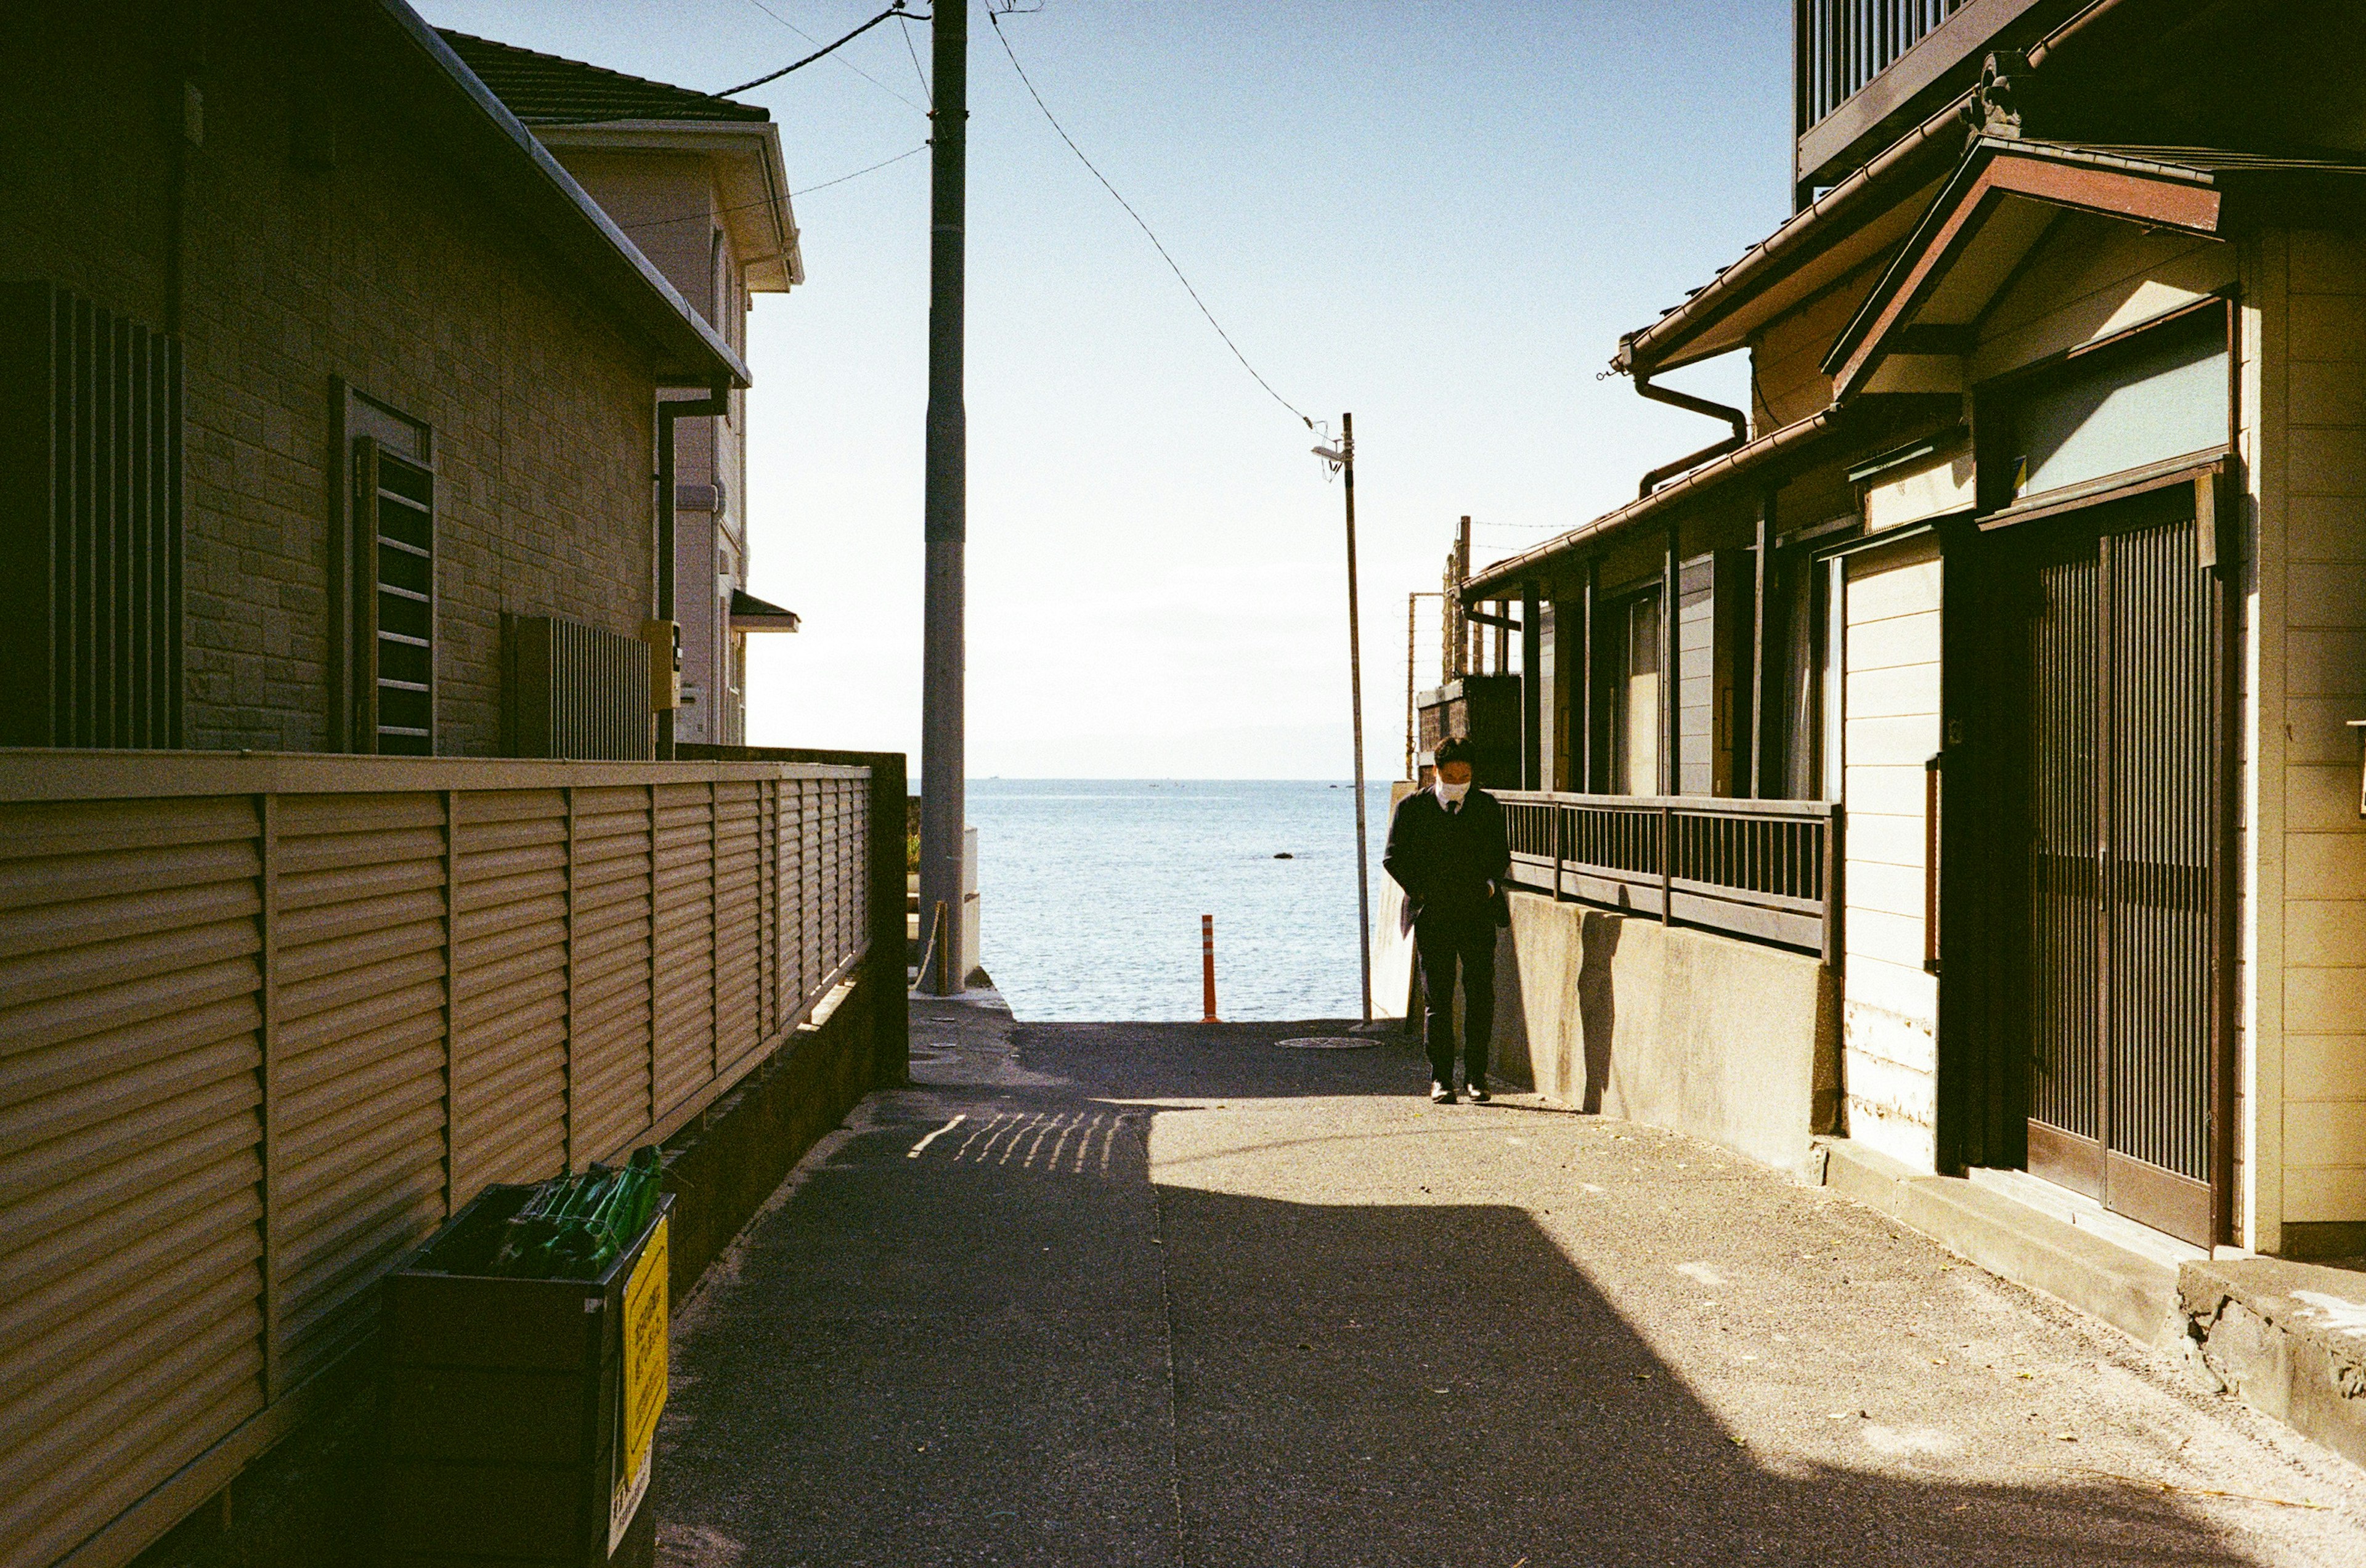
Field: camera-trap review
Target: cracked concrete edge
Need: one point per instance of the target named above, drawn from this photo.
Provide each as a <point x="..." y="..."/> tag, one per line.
<point x="2235" y="1327"/>
<point x="2287" y="1338"/>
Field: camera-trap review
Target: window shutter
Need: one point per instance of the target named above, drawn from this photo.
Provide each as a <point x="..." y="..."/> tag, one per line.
<point x="394" y="661"/>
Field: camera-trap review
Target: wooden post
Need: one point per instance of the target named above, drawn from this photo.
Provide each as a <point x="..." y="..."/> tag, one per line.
<point x="1412" y="717"/>
<point x="1671" y="572"/>
<point x="1532" y="692"/>
<point x="1584" y="707"/>
<point x="1762" y="784"/>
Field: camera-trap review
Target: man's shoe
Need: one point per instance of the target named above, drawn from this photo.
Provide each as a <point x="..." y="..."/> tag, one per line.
<point x="1440" y="1095"/>
<point x="1478" y="1092"/>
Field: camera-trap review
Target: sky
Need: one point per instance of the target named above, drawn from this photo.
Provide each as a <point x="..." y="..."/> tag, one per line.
<point x="1439" y="216"/>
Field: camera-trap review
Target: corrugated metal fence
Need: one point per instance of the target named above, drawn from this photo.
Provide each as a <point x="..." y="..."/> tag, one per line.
<point x="264" y="1021"/>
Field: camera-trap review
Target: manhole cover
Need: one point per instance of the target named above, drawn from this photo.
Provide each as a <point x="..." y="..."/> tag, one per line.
<point x="1324" y="1043"/>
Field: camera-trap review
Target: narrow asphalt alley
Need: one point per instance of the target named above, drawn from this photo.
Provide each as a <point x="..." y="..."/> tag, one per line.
<point x="1165" y="1293"/>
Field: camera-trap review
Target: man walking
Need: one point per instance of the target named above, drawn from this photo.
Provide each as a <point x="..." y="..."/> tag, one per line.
<point x="1448" y="850"/>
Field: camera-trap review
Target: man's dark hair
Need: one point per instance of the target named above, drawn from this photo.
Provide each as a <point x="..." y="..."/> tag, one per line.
<point x="1453" y="748"/>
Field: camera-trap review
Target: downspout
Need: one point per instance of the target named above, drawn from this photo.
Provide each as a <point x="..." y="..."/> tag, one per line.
<point x="1732" y="416"/>
<point x="716" y="401"/>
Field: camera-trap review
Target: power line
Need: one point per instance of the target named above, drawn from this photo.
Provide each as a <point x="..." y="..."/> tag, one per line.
<point x="907" y="153"/>
<point x="839" y="60"/>
<point x="993" y="16"/>
<point x="926" y="91"/>
<point x="705" y="212"/>
<point x="894" y="10"/>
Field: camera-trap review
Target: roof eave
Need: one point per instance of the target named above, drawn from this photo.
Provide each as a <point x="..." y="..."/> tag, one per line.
<point x="690" y="353"/>
<point x="1790" y="441"/>
<point x="757" y="142"/>
<point x="2155" y="193"/>
<point x="1687" y="333"/>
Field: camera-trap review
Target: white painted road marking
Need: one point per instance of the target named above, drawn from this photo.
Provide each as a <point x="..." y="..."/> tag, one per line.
<point x="914" y="1152"/>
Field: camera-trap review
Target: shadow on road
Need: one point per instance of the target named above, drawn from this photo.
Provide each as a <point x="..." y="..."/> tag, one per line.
<point x="1440" y="1386"/>
<point x="996" y="1340"/>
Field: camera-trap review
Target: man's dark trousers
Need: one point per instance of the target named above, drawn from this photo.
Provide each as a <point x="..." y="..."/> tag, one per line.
<point x="1447" y="943"/>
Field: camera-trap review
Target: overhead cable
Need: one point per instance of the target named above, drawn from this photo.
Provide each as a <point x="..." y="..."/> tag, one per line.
<point x="993" y="16"/>
<point x="894" y="10"/>
<point x="839" y="59"/>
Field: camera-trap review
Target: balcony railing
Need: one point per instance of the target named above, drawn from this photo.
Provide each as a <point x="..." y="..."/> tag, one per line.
<point x="265" y="1021"/>
<point x="1766" y="870"/>
<point x="1844" y="44"/>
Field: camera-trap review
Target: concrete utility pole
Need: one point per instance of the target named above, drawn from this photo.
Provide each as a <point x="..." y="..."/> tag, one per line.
<point x="943" y="759"/>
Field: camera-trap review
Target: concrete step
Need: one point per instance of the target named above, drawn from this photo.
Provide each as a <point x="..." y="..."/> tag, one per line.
<point x="2288" y="1338"/>
<point x="2127" y="1288"/>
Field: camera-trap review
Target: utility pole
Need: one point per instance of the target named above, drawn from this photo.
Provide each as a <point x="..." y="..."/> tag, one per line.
<point x="1466" y="635"/>
<point x="943" y="759"/>
<point x="1344" y="459"/>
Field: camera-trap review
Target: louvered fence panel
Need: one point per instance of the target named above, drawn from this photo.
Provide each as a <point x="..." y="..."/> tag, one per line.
<point x="686" y="942"/>
<point x="738" y="926"/>
<point x="855" y="833"/>
<point x="130" y="1118"/>
<point x="509" y="988"/>
<point x="358" y="1109"/>
<point x="260" y="1041"/>
<point x="788" y="858"/>
<point x="834" y="874"/>
<point x="812" y="933"/>
<point x="610" y="1057"/>
<point x="768" y="936"/>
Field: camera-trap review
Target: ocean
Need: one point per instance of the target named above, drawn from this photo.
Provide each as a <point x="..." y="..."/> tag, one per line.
<point x="1090" y="894"/>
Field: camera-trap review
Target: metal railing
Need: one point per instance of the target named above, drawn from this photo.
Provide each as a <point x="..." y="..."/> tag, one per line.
<point x="1844" y="44"/>
<point x="1766" y="870"/>
<point x="265" y="1021"/>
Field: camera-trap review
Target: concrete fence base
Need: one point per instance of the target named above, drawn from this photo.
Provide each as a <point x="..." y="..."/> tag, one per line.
<point x="1620" y="1015"/>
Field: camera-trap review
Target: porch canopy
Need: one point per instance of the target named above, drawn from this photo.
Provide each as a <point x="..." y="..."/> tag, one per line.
<point x="1916" y="330"/>
<point x="749" y="613"/>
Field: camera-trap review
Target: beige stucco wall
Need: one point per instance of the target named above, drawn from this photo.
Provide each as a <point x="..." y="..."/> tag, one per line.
<point x="671" y="203"/>
<point x="1726" y="1040"/>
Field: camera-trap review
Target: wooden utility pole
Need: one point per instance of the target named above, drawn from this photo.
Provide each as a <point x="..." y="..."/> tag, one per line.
<point x="1356" y="699"/>
<point x="944" y="739"/>
<point x="1342" y="458"/>
<point x="1465" y="631"/>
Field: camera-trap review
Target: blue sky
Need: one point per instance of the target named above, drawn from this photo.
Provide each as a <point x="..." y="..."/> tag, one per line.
<point x="1439" y="216"/>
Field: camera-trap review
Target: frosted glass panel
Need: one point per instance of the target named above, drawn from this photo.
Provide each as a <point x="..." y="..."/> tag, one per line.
<point x="2163" y="402"/>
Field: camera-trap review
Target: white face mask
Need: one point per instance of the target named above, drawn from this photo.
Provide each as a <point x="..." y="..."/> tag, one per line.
<point x="1451" y="793"/>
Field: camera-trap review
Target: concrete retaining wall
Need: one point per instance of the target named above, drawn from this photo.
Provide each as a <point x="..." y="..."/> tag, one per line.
<point x="1723" y="1039"/>
<point x="723" y="1166"/>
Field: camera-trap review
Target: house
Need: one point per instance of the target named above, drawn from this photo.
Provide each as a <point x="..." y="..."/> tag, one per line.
<point x="338" y="880"/>
<point x="1993" y="680"/>
<point x="696" y="182"/>
<point x="310" y="408"/>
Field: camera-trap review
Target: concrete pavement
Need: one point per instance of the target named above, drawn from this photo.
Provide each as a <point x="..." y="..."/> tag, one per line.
<point x="1170" y="1294"/>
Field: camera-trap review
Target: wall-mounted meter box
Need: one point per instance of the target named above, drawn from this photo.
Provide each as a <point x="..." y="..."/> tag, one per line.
<point x="664" y="638"/>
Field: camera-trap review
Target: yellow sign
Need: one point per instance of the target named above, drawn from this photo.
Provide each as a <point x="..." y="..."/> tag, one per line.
<point x="642" y="1394"/>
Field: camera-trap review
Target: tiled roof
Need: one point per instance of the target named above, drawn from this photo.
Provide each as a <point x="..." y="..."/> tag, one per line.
<point x="543" y="89"/>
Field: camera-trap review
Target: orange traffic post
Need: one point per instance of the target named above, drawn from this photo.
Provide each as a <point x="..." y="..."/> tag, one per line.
<point x="1208" y="967"/>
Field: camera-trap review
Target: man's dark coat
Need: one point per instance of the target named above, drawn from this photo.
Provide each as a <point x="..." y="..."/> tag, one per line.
<point x="1444" y="859"/>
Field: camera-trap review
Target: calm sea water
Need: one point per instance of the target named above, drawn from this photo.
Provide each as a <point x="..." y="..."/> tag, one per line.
<point x="1091" y="892"/>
